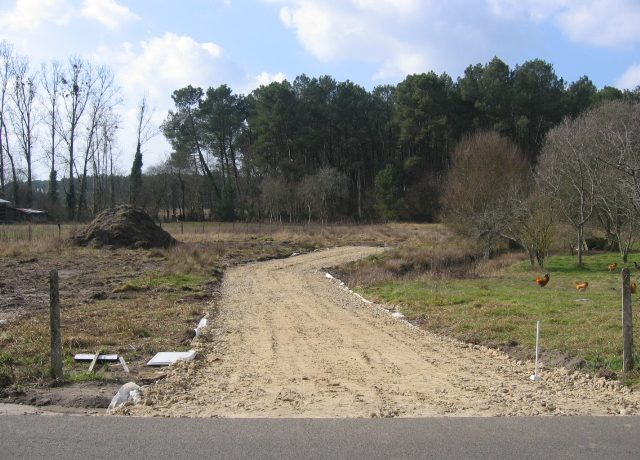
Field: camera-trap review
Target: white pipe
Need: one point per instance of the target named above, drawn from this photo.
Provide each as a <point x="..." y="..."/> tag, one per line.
<point x="536" y="376"/>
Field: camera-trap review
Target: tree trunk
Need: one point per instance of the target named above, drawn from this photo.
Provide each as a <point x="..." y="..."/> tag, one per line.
<point x="1" y="159"/>
<point x="83" y="187"/>
<point x="16" y="194"/>
<point x="580" y="238"/>
<point x="71" y="193"/>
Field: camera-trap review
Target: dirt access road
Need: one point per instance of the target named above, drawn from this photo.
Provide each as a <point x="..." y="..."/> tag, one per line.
<point x="289" y="342"/>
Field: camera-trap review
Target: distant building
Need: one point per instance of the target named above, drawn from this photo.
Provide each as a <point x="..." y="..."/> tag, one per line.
<point x="9" y="214"/>
<point x="4" y="209"/>
<point x="31" y="215"/>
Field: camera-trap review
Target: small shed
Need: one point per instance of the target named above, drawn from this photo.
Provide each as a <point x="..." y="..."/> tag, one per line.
<point x="31" y="215"/>
<point x="4" y="212"/>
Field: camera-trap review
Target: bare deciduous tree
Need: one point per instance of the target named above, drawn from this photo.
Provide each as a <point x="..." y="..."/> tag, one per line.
<point x="25" y="117"/>
<point x="616" y="127"/>
<point x="487" y="174"/>
<point x="7" y="58"/>
<point x="51" y="82"/>
<point x="532" y="224"/>
<point x="569" y="173"/>
<point x="323" y="191"/>
<point x="275" y="196"/>
<point x="103" y="98"/>
<point x="78" y="81"/>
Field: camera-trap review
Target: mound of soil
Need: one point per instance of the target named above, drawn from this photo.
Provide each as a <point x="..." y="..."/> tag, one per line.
<point x="123" y="227"/>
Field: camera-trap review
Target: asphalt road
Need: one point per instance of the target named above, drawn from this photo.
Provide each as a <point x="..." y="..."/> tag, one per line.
<point x="78" y="437"/>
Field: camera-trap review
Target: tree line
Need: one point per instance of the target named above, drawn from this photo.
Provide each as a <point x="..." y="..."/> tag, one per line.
<point x="301" y="150"/>
<point x="320" y="149"/>
<point x="587" y="174"/>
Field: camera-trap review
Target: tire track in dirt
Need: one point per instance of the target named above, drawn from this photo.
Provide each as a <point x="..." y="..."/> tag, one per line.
<point x="289" y="342"/>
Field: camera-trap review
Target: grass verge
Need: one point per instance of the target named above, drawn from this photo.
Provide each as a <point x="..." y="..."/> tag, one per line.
<point x="498" y="304"/>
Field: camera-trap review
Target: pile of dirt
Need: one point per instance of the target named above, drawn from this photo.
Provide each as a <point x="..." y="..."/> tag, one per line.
<point x="123" y="227"/>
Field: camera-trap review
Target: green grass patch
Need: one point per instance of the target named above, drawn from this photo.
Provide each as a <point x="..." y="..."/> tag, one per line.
<point x="84" y="376"/>
<point x="164" y="283"/>
<point x="503" y="308"/>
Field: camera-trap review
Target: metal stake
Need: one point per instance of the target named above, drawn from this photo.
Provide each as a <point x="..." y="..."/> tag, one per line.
<point x="536" y="376"/>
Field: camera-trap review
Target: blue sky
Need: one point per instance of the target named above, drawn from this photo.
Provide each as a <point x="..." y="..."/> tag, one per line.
<point x="156" y="46"/>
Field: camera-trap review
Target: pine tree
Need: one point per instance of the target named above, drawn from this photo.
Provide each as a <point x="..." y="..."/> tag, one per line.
<point x="136" y="177"/>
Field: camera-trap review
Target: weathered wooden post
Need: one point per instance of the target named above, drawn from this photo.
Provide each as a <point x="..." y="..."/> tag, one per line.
<point x="181" y="227"/>
<point x="627" y="322"/>
<point x="56" y="338"/>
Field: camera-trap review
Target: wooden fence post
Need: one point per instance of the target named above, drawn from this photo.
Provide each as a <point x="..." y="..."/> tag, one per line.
<point x="56" y="338"/>
<point x="627" y="322"/>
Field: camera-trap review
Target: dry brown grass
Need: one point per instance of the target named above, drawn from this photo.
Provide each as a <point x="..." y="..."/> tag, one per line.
<point x="312" y="235"/>
<point x="433" y="253"/>
<point x="30" y="248"/>
<point x="492" y="267"/>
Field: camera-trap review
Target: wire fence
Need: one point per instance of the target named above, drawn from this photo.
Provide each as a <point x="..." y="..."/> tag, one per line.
<point x="10" y="233"/>
<point x="38" y="232"/>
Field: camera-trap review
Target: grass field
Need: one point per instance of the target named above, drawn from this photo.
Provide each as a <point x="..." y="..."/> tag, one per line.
<point x="501" y="308"/>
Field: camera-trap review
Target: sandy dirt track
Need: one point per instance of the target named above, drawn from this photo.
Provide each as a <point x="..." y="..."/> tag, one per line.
<point x="288" y="342"/>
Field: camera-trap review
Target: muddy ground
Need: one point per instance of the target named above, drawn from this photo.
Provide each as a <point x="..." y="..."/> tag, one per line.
<point x="86" y="276"/>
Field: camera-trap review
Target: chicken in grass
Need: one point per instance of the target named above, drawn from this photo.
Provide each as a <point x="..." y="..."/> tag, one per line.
<point x="633" y="286"/>
<point x="542" y="282"/>
<point x="612" y="267"/>
<point x="582" y="286"/>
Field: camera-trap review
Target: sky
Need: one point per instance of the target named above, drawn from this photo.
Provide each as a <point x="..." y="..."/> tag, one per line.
<point x="157" y="46"/>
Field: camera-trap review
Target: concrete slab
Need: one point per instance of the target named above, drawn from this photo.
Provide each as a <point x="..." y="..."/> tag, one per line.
<point x="164" y="358"/>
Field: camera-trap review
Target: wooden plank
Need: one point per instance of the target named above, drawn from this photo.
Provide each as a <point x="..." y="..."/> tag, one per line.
<point x="56" y="335"/>
<point x="124" y="364"/>
<point x="89" y="357"/>
<point x="95" y="359"/>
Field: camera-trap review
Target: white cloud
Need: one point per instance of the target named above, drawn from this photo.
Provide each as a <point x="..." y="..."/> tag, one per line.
<point x="107" y="12"/>
<point x="162" y="64"/>
<point x="264" y="78"/>
<point x="610" y="23"/>
<point x="400" y="7"/>
<point x="362" y="30"/>
<point x="536" y="10"/>
<point x="157" y="67"/>
<point x="404" y="62"/>
<point x="595" y="22"/>
<point x="29" y="15"/>
<point x="630" y="79"/>
<point x="317" y="28"/>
